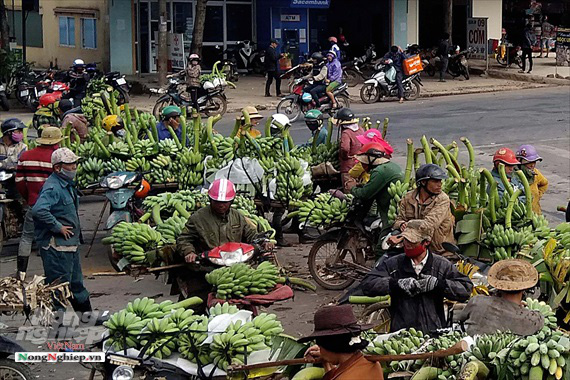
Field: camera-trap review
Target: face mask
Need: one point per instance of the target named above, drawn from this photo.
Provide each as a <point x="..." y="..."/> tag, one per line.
<point x="414" y="252"/>
<point x="68" y="174"/>
<point x="17" y="136"/>
<point x="121" y="133"/>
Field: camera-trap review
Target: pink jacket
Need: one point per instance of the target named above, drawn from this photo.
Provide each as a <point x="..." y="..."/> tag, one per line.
<point x="349" y="146"/>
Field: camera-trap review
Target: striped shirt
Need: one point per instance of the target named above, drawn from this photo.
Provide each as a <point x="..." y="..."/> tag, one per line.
<point x="33" y="169"/>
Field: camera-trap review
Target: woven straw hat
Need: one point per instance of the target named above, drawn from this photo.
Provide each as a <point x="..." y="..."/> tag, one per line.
<point x="512" y="275"/>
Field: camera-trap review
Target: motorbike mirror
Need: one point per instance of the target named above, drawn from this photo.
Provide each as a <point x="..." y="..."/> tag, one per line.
<point x="450" y="247"/>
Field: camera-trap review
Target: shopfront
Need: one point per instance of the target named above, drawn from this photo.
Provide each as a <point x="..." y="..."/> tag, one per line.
<point x="227" y="22"/>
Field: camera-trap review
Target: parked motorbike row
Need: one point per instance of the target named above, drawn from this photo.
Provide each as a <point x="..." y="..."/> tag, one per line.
<point x="28" y="85"/>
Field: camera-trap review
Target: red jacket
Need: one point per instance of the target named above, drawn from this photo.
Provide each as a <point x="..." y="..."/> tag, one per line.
<point x="349" y="146"/>
<point x="34" y="167"/>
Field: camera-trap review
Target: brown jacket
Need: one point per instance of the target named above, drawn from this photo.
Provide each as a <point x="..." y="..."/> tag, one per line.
<point x="193" y="75"/>
<point x="438" y="221"/>
<point x="356" y="368"/>
<point x="349" y="146"/>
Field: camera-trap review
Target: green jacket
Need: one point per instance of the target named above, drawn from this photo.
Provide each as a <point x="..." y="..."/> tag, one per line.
<point x="206" y="230"/>
<point x="377" y="188"/>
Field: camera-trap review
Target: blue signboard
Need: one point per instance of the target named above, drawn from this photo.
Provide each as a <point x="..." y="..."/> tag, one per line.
<point x="310" y="3"/>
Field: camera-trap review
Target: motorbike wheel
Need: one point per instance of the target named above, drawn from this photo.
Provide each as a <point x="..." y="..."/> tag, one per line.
<point x="9" y="369"/>
<point x="4" y="103"/>
<point x="414" y="92"/>
<point x="378" y="316"/>
<point x="216" y="105"/>
<point x="518" y="61"/>
<point x="159" y="106"/>
<point x="343" y="101"/>
<point x="453" y="73"/>
<point x="289" y="108"/>
<point x="430" y="70"/>
<point x="319" y="256"/>
<point x="123" y="96"/>
<point x="369" y="93"/>
<point x="351" y="77"/>
<point x="501" y="60"/>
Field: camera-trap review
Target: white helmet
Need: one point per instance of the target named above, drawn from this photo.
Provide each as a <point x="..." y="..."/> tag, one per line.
<point x="63" y="156"/>
<point x="78" y="62"/>
<point x="281" y="119"/>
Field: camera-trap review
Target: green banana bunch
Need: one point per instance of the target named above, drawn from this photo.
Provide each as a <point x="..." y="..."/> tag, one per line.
<point x="191" y="338"/>
<point x="226" y="147"/>
<point x="86" y="149"/>
<point x="302" y="153"/>
<point x="189" y="169"/>
<point x="406" y="342"/>
<point x="145" y="148"/>
<point x="488" y="346"/>
<point x="157" y="334"/>
<point x="89" y="171"/>
<point x="324" y="211"/>
<point x="113" y="165"/>
<point x="171" y="228"/>
<point x="137" y="164"/>
<point x="453" y="363"/>
<point x="245" y="204"/>
<point x="145" y="308"/>
<point x="182" y="318"/>
<point x="124" y="328"/>
<point x="220" y="309"/>
<point x="396" y="190"/>
<point x="540" y="224"/>
<point x="119" y="147"/>
<point x="269" y="326"/>
<point x="289" y="179"/>
<point x="168" y="147"/>
<point x="240" y="280"/>
<point x="132" y="240"/>
<point x="323" y="153"/>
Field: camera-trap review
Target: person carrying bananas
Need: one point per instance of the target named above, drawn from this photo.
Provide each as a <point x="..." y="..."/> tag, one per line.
<point x="349" y="144"/>
<point x="528" y="157"/>
<point x="372" y="135"/>
<point x="115" y="126"/>
<point x="504" y="310"/>
<point x="254" y="118"/>
<point x="207" y="228"/>
<point x="429" y="204"/>
<point x="508" y="158"/>
<point x="170" y="118"/>
<point x="417" y="282"/>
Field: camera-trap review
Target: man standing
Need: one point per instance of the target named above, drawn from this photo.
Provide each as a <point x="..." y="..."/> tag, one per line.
<point x="397" y="57"/>
<point x="272" y="67"/>
<point x="417" y="281"/>
<point x="58" y="230"/>
<point x="33" y="170"/>
<point x="546" y="35"/>
<point x="443" y="55"/>
<point x="528" y="41"/>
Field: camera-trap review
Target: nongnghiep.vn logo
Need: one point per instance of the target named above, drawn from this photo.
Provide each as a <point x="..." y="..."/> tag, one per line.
<point x="60" y="357"/>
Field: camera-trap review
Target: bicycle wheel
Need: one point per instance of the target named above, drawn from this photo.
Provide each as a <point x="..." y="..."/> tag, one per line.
<point x="325" y="272"/>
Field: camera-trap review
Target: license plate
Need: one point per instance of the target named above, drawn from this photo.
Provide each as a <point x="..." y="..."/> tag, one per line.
<point x="24" y="93"/>
<point x="2" y="88"/>
<point x="262" y="59"/>
<point x="42" y="92"/>
<point x="121" y="81"/>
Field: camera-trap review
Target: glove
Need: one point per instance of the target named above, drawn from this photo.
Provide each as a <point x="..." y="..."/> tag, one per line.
<point x="427" y="283"/>
<point x="409" y="285"/>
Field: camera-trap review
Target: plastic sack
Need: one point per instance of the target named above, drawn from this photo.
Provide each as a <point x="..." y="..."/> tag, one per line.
<point x="391" y="74"/>
<point x="242" y="171"/>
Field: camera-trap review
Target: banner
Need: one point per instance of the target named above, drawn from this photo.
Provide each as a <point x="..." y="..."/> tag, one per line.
<point x="310" y="3"/>
<point x="176" y="56"/>
<point x="563" y="47"/>
<point x="477" y="37"/>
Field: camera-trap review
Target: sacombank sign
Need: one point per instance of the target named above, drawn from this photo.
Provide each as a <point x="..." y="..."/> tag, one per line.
<point x="310" y="3"/>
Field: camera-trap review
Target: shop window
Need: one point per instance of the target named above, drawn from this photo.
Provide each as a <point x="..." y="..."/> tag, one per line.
<point x="239" y="22"/>
<point x="184" y="22"/>
<point x="67" y="31"/>
<point x="89" y="33"/>
<point x="34" y="28"/>
<point x="214" y="26"/>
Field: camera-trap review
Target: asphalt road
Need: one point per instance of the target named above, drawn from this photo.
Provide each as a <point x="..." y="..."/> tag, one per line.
<point x="539" y="116"/>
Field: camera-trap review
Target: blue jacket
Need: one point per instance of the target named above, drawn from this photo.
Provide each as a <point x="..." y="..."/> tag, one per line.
<point x="164" y="134"/>
<point x="321" y="138"/>
<point x="334" y="71"/>
<point x="397" y="59"/>
<point x="57" y="206"/>
<point x="515" y="183"/>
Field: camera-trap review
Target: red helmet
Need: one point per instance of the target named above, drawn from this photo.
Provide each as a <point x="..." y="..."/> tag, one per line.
<point x="143" y="189"/>
<point x="506" y="156"/>
<point x="370" y="152"/>
<point x="49" y="98"/>
<point x="222" y="190"/>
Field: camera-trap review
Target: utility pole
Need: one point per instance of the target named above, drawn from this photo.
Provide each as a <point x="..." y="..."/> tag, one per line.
<point x="4" y="30"/>
<point x="199" y="22"/>
<point x="162" y="57"/>
<point x="24" y="13"/>
<point x="448" y="18"/>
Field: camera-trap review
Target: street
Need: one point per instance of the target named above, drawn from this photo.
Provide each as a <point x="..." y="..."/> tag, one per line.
<point x="536" y="116"/>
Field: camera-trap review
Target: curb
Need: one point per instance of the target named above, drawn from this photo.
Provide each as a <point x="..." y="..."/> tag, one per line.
<point x="500" y="74"/>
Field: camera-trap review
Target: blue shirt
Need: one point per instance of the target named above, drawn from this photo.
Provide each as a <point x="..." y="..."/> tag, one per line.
<point x="57" y="206"/>
<point x="164" y="133"/>
<point x="321" y="137"/>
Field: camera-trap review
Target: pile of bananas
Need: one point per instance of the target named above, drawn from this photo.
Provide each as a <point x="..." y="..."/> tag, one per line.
<point x="124" y="329"/>
<point x="405" y="342"/>
<point x="519" y="211"/>
<point x="540" y="224"/>
<point x="189" y="169"/>
<point x="114" y="165"/>
<point x="507" y="241"/>
<point x="323" y="153"/>
<point x="86" y="149"/>
<point x="132" y="240"/>
<point x="138" y="164"/>
<point x="488" y="346"/>
<point x="182" y="317"/>
<point x="245" y="204"/>
<point x="546" y="311"/>
<point x="89" y="171"/>
<point x="323" y="211"/>
<point x="453" y="363"/>
<point x="145" y="148"/>
<point x="161" y="172"/>
<point x="225" y="147"/>
<point x="158" y="337"/>
<point x="289" y="179"/>
<point x="233" y="345"/>
<point x="396" y="190"/>
<point x="220" y="309"/>
<point x="119" y="147"/>
<point x="171" y="228"/>
<point x="191" y="339"/>
<point x="240" y="280"/>
<point x="168" y="147"/>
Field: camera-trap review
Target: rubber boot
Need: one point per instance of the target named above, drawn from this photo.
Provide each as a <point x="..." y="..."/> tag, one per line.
<point x="22" y="267"/>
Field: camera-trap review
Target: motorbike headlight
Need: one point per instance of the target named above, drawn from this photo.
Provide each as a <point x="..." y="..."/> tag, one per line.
<point x="228" y="258"/>
<point x="123" y="372"/>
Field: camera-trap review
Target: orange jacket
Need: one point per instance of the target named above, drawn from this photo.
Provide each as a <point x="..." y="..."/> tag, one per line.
<point x="356" y="368"/>
<point x="537" y="188"/>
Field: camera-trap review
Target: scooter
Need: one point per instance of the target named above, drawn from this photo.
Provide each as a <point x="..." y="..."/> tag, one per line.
<point x="9" y="369"/>
<point x="4" y="98"/>
<point x="245" y="57"/>
<point x="355" y="71"/>
<point x="299" y="102"/>
<point x="295" y="73"/>
<point x="458" y="64"/>
<point x="507" y="54"/>
<point x="383" y="85"/>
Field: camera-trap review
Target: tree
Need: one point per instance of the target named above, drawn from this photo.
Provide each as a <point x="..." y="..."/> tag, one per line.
<point x="4" y="29"/>
<point x="448" y="18"/>
<point x="162" y="57"/>
<point x="199" y="22"/>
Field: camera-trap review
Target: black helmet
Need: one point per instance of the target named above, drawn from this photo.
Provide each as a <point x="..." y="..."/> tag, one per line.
<point x="430" y="171"/>
<point x="65" y="105"/>
<point x="317" y="57"/>
<point x="12" y="124"/>
<point x="344" y="114"/>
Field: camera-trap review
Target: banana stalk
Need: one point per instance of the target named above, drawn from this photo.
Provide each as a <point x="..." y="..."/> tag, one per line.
<point x="100" y="145"/>
<point x="467" y="143"/>
<point x="493" y="193"/>
<point x="528" y="194"/>
<point x="290" y="140"/>
<point x="237" y="125"/>
<point x="196" y="126"/>
<point x="385" y="128"/>
<point x="482" y="189"/>
<point x="504" y="179"/>
<point x="129" y="142"/>
<point x="417" y="161"/>
<point x="153" y="129"/>
<point x="473" y="191"/>
<point x="409" y="160"/>
<point x="427" y="150"/>
<point x="174" y="136"/>
<point x="442" y="150"/>
<point x="330" y="132"/>
<point x="509" y="212"/>
<point x="268" y="127"/>
<point x="67" y="134"/>
<point x="25" y="139"/>
<point x="184" y="130"/>
<point x="210" y="134"/>
<point x="454" y="173"/>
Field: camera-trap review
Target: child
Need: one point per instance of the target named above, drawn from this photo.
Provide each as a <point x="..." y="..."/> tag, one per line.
<point x="528" y="157"/>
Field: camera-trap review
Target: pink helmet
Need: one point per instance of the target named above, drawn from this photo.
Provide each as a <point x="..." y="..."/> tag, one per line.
<point x="333" y="39"/>
<point x="222" y="190"/>
<point x="374" y="135"/>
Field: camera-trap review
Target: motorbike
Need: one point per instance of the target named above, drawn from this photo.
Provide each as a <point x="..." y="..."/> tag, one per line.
<point x="458" y="64"/>
<point x="229" y="65"/>
<point x="299" y="101"/>
<point x="345" y="253"/>
<point x="11" y="215"/>
<point x="507" y="54"/>
<point x="295" y="73"/>
<point x="360" y="68"/>
<point x="383" y="85"/>
<point x="4" y="98"/>
<point x="245" y="57"/>
<point x="211" y="97"/>
<point x="119" y="83"/>
<point x="9" y="369"/>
